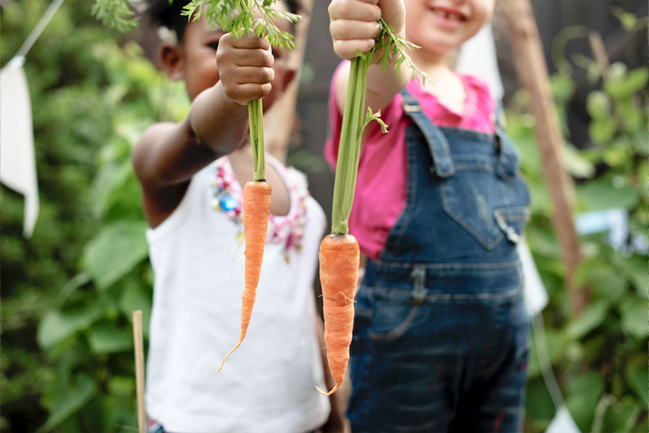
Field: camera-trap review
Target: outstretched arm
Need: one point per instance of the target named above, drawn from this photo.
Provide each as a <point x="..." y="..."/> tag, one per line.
<point x="168" y="154"/>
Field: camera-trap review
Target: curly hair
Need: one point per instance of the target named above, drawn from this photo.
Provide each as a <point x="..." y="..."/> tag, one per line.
<point x="168" y="14"/>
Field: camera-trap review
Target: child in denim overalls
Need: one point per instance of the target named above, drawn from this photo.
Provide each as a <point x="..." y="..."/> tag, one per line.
<point x="441" y="333"/>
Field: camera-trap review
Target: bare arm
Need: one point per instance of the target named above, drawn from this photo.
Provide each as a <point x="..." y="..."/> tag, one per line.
<point x="169" y="154"/>
<point x="353" y="28"/>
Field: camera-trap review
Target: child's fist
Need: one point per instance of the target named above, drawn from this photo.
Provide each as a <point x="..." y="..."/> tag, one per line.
<point x="354" y="24"/>
<point x="245" y="67"/>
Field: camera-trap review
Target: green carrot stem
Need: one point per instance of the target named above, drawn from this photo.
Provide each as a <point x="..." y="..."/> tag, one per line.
<point x="350" y="145"/>
<point x="256" y="122"/>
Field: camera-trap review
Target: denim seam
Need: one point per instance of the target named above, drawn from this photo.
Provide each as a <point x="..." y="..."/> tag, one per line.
<point x="468" y="167"/>
<point x="478" y="136"/>
<point x="399" y="330"/>
<point x="449" y="266"/>
<point x="436" y="297"/>
<point x="402" y="222"/>
<point x="467" y="227"/>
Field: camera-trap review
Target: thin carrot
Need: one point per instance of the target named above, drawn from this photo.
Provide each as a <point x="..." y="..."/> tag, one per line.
<point x="256" y="209"/>
<point x="339" y="252"/>
<point x="339" y="260"/>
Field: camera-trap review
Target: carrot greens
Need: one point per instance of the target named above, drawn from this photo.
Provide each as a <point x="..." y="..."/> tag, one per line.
<point x="390" y="50"/>
<point x="237" y="17"/>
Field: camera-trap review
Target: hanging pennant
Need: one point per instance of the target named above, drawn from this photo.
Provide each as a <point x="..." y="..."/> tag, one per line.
<point x="17" y="164"/>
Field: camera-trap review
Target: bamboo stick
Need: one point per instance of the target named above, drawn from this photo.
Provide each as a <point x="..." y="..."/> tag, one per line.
<point x="280" y="120"/>
<point x="139" y="370"/>
<point x="532" y="72"/>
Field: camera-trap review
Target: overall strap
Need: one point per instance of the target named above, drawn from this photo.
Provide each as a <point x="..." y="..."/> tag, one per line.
<point x="435" y="139"/>
<point x="508" y="157"/>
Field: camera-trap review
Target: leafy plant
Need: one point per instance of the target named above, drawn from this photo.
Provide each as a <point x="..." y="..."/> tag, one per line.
<point x="67" y="346"/>
<point x="600" y="356"/>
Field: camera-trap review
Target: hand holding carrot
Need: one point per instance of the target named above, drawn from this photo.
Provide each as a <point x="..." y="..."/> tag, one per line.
<point x="245" y="67"/>
<point x="354" y="23"/>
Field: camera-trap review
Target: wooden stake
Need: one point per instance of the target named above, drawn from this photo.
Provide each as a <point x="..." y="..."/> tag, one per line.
<point x="139" y="370"/>
<point x="532" y="72"/>
<point x="599" y="50"/>
<point x="280" y="120"/>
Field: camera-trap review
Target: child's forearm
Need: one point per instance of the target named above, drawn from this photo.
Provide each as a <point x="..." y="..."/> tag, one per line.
<point x="170" y="153"/>
<point x="382" y="87"/>
<point x="218" y="122"/>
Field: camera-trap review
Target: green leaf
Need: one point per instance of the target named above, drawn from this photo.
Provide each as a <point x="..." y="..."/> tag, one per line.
<point x="135" y="296"/>
<point x="109" y="178"/>
<point x="562" y="87"/>
<point x="637" y="379"/>
<point x="105" y="337"/>
<point x="114" y="14"/>
<point x="633" y="117"/>
<point x="122" y="386"/>
<point x="602" y="130"/>
<point x="598" y="104"/>
<point x="635" y="269"/>
<point x="635" y="318"/>
<point x="589" y="319"/>
<point x="622" y="416"/>
<point x="116" y="251"/>
<point x="600" y="194"/>
<point x="576" y="164"/>
<point x="75" y="397"/>
<point x="616" y="155"/>
<point x="583" y="393"/>
<point x="58" y="325"/>
<point x="624" y="87"/>
<point x="556" y="348"/>
<point x="609" y="286"/>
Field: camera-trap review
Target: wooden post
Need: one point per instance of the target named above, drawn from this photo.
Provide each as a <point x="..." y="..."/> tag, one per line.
<point x="139" y="370"/>
<point x="532" y="73"/>
<point x="280" y="120"/>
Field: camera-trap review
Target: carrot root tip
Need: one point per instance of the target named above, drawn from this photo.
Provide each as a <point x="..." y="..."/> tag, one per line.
<point x="327" y="393"/>
<point x="226" y="357"/>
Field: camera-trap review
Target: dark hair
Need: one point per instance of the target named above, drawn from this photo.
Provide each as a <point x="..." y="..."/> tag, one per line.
<point x="168" y="14"/>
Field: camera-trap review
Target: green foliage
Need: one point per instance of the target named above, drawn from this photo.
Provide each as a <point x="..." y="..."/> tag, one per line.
<point x="599" y="356"/>
<point x="115" y="14"/>
<point x="238" y="17"/>
<point x="69" y="291"/>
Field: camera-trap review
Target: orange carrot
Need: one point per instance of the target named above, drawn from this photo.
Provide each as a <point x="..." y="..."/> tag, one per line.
<point x="256" y="209"/>
<point x="339" y="260"/>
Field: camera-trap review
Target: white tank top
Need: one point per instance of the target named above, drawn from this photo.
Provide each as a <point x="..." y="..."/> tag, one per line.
<point x="268" y="384"/>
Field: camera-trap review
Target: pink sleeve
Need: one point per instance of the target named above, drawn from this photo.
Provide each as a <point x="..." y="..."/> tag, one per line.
<point x="390" y="114"/>
<point x="335" y="123"/>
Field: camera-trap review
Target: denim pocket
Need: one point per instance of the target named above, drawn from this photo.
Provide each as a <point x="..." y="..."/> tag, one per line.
<point x="393" y="314"/>
<point x="485" y="205"/>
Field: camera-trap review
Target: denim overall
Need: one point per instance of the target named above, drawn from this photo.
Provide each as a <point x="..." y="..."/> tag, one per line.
<point x="441" y="333"/>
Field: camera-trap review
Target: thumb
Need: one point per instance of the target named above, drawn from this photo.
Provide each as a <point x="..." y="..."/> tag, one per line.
<point x="393" y="13"/>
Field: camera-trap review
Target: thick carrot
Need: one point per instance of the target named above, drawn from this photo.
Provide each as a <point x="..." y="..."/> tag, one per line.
<point x="339" y="252"/>
<point x="339" y="260"/>
<point x="256" y="209"/>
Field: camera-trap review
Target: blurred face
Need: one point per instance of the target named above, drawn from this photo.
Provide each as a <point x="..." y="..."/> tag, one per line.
<point x="199" y="69"/>
<point x="444" y="25"/>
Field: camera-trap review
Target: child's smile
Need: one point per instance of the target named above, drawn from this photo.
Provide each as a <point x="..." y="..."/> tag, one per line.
<point x="448" y="17"/>
<point x="439" y="26"/>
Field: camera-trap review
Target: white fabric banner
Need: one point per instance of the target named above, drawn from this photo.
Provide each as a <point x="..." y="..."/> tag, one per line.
<point x="17" y="161"/>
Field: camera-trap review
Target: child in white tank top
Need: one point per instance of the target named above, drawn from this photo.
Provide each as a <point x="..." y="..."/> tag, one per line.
<point x="192" y="199"/>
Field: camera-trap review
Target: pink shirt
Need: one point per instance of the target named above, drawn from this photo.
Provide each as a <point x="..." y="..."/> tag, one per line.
<point x="382" y="171"/>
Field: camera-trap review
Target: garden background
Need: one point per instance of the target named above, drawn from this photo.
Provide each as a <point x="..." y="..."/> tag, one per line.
<point x="68" y="292"/>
